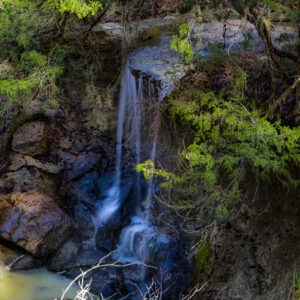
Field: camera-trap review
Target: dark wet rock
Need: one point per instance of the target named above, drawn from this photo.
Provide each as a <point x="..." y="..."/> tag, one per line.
<point x="66" y="256"/>
<point x="30" y="139"/>
<point x="82" y="163"/>
<point x="105" y="239"/>
<point x="17" y="261"/>
<point x="6" y="186"/>
<point x="84" y="221"/>
<point x="98" y="145"/>
<point x="106" y="287"/>
<point x="74" y="255"/>
<point x="87" y="183"/>
<point x="84" y="191"/>
<point x="34" y="222"/>
<point x="134" y="274"/>
<point x="26" y="263"/>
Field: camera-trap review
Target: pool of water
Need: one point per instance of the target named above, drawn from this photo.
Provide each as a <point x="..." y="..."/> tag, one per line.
<point x="36" y="284"/>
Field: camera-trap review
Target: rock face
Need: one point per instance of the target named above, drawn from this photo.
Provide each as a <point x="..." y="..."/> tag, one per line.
<point x="29" y="139"/>
<point x="33" y="222"/>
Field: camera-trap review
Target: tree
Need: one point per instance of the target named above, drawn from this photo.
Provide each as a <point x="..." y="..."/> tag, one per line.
<point x="31" y="46"/>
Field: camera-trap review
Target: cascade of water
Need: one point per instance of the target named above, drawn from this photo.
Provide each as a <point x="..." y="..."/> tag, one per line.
<point x="135" y="237"/>
<point x="137" y="105"/>
<point x="113" y="199"/>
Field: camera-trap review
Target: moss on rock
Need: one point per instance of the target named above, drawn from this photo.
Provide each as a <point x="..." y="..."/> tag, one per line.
<point x="204" y="261"/>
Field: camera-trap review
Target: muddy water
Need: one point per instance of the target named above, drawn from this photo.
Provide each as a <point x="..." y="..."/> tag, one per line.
<point x="33" y="285"/>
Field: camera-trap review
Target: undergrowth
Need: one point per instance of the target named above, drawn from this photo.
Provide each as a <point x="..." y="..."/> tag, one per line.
<point x="231" y="139"/>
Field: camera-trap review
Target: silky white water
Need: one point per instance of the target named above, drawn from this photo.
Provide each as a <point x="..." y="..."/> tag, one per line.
<point x="112" y="203"/>
<point x="132" y="114"/>
<point x="134" y="238"/>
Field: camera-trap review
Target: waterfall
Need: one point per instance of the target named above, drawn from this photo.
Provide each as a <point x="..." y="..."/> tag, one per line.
<point x="135" y="238"/>
<point x="132" y="120"/>
<point x="113" y="200"/>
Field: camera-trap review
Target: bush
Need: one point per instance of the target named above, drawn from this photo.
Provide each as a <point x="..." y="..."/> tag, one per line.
<point x="229" y="142"/>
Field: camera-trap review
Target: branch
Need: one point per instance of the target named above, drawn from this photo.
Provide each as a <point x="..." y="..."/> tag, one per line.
<point x="103" y="12"/>
<point x="254" y="17"/>
<point x="115" y="264"/>
<point x="285" y="54"/>
<point x="282" y="98"/>
<point x="196" y="291"/>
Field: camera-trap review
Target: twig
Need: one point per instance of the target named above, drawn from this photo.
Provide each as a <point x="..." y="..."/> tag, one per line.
<point x="100" y="265"/>
<point x="196" y="291"/>
<point x="282" y="98"/>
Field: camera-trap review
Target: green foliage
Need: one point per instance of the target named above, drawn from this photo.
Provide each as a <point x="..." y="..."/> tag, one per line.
<point x="296" y="284"/>
<point x="287" y="8"/>
<point x="36" y="74"/>
<point x="149" y="171"/>
<point x="30" y="59"/>
<point x="182" y="43"/>
<point x="80" y="8"/>
<point x="229" y="143"/>
<point x="50" y="103"/>
<point x="217" y="57"/>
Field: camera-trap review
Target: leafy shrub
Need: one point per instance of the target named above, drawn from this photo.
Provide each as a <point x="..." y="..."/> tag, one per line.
<point x="182" y="44"/>
<point x="31" y="56"/>
<point x="229" y="142"/>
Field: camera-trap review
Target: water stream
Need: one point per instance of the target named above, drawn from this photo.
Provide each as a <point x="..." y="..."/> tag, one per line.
<point x="133" y="113"/>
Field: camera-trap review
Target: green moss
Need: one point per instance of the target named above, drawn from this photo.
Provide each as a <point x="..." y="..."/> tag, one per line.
<point x="204" y="261"/>
<point x="153" y="33"/>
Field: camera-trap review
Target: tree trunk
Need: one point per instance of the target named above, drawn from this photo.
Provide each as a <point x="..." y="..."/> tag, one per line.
<point x="254" y="17"/>
<point x="297" y="106"/>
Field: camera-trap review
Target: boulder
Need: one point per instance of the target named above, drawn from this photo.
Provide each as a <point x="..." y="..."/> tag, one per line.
<point x="65" y="257"/>
<point x="74" y="255"/>
<point x="29" y="139"/>
<point x="34" y="222"/>
<point x="82" y="164"/>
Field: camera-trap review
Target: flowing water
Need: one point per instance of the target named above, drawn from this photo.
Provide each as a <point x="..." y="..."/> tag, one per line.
<point x="133" y="118"/>
<point x="113" y="200"/>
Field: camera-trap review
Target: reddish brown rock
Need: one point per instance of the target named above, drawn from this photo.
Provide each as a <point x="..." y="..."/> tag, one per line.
<point x="34" y="222"/>
<point x="29" y="139"/>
